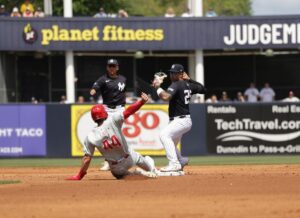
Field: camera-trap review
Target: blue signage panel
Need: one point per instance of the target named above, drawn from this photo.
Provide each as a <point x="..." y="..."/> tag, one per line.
<point x="22" y="130"/>
<point x="118" y="34"/>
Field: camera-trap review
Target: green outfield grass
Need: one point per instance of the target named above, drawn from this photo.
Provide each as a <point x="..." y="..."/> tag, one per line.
<point x="194" y="161"/>
<point x="4" y="182"/>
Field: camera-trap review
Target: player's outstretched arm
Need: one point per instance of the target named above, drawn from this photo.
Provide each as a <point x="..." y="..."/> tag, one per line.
<point x="162" y="94"/>
<point x="135" y="106"/>
<point x="86" y="160"/>
<point x="93" y="92"/>
<point x="96" y="86"/>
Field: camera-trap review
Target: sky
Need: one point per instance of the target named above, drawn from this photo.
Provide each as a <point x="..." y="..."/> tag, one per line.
<point x="275" y="7"/>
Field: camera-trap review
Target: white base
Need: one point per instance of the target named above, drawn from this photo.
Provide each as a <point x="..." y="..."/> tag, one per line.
<point x="139" y="171"/>
<point x="173" y="173"/>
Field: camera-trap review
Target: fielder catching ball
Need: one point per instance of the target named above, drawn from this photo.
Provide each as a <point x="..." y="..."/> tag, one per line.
<point x="178" y="95"/>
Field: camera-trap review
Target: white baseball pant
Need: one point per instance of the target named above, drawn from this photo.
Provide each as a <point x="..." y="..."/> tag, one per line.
<point x="172" y="134"/>
<point x="121" y="168"/>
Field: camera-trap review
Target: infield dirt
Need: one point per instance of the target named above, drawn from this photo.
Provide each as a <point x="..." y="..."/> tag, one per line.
<point x="206" y="191"/>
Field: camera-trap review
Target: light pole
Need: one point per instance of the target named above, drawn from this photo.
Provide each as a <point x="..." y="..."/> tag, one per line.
<point x="48" y="7"/>
<point x="69" y="57"/>
<point x="197" y="63"/>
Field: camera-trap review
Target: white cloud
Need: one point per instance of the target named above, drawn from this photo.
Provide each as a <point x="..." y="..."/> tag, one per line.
<point x="275" y="7"/>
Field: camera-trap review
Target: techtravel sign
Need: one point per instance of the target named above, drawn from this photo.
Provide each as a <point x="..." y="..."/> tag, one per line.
<point x="253" y="129"/>
<point x="148" y="33"/>
<point x="141" y="130"/>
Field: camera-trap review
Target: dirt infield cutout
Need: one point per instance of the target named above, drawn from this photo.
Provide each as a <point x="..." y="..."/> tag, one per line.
<point x="205" y="191"/>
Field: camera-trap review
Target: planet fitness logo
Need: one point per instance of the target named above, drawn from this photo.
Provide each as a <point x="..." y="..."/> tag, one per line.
<point x="29" y="34"/>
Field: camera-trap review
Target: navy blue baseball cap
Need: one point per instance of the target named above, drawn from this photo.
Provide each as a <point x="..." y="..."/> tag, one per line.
<point x="176" y="68"/>
<point x="112" y="62"/>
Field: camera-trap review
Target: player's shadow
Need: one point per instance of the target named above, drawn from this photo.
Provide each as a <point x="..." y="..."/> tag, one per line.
<point x="126" y="178"/>
<point x="102" y="179"/>
<point x="136" y="178"/>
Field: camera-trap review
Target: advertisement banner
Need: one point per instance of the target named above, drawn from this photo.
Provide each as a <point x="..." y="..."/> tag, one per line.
<point x="22" y="130"/>
<point x="141" y="130"/>
<point x="117" y="34"/>
<point x="81" y="124"/>
<point x="253" y="128"/>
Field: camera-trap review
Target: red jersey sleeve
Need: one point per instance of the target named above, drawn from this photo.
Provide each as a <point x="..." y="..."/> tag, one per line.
<point x="133" y="108"/>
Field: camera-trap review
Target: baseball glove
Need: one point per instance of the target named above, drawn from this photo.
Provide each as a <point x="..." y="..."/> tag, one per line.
<point x="159" y="78"/>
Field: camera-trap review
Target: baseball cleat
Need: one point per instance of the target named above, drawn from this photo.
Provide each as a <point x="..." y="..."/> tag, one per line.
<point x="105" y="166"/>
<point x="171" y="168"/>
<point x="184" y="161"/>
<point x="151" y="162"/>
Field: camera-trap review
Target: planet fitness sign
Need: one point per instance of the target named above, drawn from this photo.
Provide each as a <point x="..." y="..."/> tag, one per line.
<point x="22" y="130"/>
<point x="253" y="129"/>
<point x="158" y="34"/>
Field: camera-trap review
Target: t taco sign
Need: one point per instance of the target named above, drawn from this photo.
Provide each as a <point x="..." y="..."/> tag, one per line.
<point x="91" y="34"/>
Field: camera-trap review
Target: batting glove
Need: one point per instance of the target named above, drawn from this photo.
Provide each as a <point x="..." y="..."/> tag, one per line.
<point x="79" y="176"/>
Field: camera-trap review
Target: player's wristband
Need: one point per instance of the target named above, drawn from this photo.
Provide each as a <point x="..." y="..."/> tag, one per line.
<point x="159" y="90"/>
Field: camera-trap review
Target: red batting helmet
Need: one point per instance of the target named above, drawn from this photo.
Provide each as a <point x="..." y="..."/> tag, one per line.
<point x="98" y="112"/>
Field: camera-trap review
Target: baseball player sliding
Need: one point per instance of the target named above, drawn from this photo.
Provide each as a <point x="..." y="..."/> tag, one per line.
<point x="112" y="87"/>
<point x="107" y="137"/>
<point x="178" y="94"/>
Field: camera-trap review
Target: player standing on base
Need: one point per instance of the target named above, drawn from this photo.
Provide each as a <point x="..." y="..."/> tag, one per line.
<point x="107" y="137"/>
<point x="112" y="87"/>
<point x="178" y="95"/>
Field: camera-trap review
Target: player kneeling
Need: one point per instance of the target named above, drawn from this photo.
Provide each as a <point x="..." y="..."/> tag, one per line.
<point x="107" y="137"/>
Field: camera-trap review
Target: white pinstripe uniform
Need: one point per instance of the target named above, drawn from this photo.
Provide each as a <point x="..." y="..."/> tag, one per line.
<point x="172" y="135"/>
<point x="109" y="140"/>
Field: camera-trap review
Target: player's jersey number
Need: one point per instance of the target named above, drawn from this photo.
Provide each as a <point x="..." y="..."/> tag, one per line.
<point x="187" y="96"/>
<point x="113" y="142"/>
